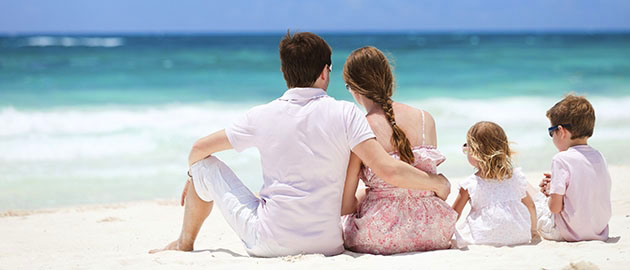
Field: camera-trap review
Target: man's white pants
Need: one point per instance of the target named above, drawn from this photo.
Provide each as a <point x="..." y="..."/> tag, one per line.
<point x="215" y="181"/>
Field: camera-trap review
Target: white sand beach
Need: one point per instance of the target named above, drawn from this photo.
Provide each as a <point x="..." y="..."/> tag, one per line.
<point x="119" y="236"/>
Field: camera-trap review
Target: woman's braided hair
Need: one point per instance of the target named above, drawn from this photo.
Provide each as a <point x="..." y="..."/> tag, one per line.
<point x="369" y="74"/>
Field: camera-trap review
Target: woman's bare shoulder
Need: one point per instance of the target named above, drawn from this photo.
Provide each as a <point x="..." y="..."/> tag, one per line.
<point x="404" y="108"/>
<point x="401" y="108"/>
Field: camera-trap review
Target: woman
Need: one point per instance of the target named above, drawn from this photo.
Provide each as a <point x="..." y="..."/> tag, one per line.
<point x="386" y="219"/>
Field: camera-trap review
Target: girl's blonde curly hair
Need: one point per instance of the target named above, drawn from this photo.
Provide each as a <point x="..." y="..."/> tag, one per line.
<point x="488" y="144"/>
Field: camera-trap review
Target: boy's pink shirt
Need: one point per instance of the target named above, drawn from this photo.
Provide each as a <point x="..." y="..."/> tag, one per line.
<point x="581" y="174"/>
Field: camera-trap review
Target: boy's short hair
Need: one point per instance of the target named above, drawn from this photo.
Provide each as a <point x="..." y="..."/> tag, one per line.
<point x="575" y="111"/>
<point x="304" y="56"/>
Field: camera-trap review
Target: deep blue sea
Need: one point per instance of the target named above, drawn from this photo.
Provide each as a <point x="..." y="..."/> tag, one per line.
<point x="110" y="118"/>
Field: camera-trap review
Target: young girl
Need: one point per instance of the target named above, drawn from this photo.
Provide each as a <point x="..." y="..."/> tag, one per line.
<point x="502" y="212"/>
<point x="390" y="219"/>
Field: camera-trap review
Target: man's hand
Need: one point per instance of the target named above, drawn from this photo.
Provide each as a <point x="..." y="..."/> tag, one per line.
<point x="185" y="192"/>
<point x="445" y="189"/>
<point x="544" y="184"/>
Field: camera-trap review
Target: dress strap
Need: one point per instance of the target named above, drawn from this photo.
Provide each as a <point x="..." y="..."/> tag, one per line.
<point x="422" y="111"/>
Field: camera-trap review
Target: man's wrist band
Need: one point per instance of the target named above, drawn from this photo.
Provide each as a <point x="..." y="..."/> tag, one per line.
<point x="189" y="175"/>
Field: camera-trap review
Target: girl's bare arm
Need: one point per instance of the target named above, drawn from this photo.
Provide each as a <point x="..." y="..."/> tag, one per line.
<point x="460" y="202"/>
<point x="531" y="207"/>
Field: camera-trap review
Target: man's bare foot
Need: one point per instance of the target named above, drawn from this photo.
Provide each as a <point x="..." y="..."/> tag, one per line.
<point x="175" y="245"/>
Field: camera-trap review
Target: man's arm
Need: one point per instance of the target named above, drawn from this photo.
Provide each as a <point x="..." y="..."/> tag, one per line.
<point x="398" y="173"/>
<point x="202" y="148"/>
<point x="206" y="146"/>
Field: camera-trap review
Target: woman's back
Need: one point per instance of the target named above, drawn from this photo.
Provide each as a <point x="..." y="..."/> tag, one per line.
<point x="394" y="220"/>
<point x="391" y="219"/>
<point x="418" y="125"/>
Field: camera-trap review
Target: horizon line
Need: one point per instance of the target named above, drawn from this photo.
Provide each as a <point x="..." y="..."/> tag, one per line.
<point x="323" y="32"/>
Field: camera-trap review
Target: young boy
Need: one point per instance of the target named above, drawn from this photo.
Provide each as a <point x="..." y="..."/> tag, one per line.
<point x="578" y="188"/>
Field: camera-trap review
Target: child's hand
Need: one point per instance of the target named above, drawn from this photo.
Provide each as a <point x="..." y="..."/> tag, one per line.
<point x="544" y="184"/>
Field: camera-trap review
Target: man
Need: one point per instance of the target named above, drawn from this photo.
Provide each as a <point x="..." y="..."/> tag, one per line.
<point x="304" y="138"/>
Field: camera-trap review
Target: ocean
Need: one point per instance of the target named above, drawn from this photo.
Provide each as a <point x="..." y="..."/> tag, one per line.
<point x="88" y="119"/>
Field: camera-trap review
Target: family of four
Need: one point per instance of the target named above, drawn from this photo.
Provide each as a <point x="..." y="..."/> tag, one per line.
<point x="309" y="143"/>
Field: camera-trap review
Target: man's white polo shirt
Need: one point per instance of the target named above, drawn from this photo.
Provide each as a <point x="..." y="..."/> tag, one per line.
<point x="304" y="138"/>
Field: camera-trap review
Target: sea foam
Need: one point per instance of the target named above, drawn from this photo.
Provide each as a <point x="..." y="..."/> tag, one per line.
<point x="45" y="41"/>
<point x="64" y="133"/>
<point x="88" y="154"/>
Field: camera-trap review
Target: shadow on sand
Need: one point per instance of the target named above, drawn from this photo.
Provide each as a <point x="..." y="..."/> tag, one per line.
<point x="232" y="253"/>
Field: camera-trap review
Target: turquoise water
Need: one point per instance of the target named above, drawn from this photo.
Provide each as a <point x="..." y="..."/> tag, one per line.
<point x="95" y="119"/>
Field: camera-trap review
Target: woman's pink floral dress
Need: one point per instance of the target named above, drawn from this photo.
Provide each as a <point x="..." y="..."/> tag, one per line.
<point x="394" y="220"/>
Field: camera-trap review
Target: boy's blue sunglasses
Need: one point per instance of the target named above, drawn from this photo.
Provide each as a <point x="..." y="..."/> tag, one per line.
<point x="552" y="129"/>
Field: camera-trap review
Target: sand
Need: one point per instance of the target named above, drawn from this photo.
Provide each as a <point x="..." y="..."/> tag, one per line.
<point x="119" y="236"/>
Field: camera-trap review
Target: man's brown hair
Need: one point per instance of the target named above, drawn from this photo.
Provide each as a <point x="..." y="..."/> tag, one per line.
<point x="304" y="56"/>
<point x="575" y="111"/>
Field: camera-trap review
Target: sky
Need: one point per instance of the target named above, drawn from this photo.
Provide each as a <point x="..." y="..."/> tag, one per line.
<point x="163" y="16"/>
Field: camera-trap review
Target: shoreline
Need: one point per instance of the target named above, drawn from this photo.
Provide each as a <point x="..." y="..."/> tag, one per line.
<point x="119" y="235"/>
